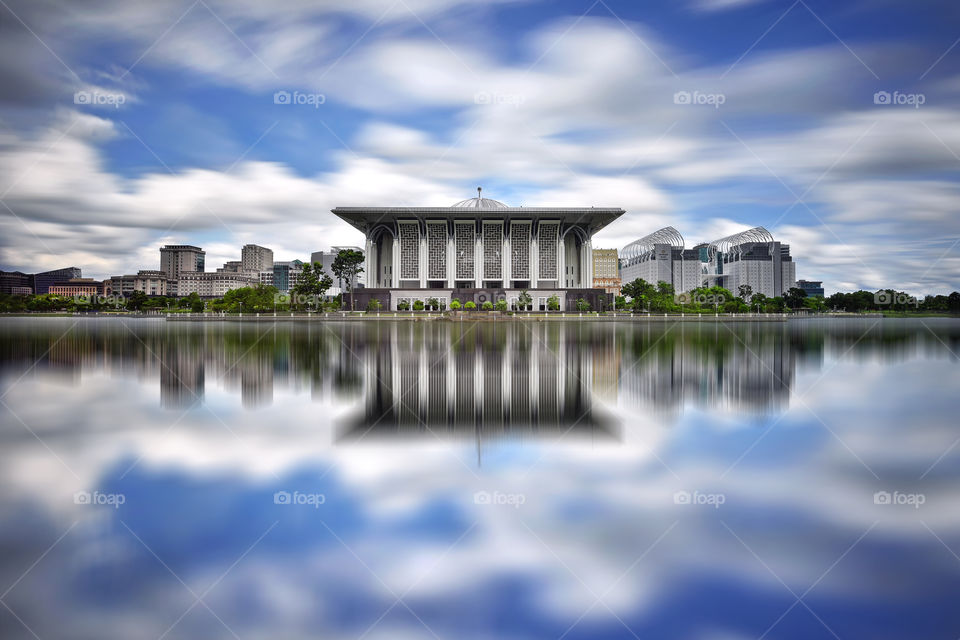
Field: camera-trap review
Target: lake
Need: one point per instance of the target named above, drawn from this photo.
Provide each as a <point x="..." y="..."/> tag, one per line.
<point x="442" y="479"/>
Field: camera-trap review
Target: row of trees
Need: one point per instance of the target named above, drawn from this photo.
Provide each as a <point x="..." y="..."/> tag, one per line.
<point x="641" y="296"/>
<point x="891" y="300"/>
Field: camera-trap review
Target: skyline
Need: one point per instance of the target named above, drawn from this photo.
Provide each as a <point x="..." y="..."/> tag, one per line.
<point x="131" y="127"/>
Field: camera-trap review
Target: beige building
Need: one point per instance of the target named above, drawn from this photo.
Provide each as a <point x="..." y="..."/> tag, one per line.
<point x="255" y="258"/>
<point x="209" y="284"/>
<point x="606" y="270"/>
<point x="77" y="287"/>
<point x="152" y="283"/>
<point x="177" y="258"/>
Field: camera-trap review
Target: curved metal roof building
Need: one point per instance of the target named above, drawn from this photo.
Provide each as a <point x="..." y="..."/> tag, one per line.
<point x="641" y="246"/>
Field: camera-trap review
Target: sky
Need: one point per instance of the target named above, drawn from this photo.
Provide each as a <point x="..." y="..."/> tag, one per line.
<point x="126" y="124"/>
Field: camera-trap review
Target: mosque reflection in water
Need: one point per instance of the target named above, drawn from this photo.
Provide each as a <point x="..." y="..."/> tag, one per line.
<point x="459" y="376"/>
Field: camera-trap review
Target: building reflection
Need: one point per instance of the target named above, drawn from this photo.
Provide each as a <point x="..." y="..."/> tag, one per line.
<point x="460" y="379"/>
<point x="465" y="377"/>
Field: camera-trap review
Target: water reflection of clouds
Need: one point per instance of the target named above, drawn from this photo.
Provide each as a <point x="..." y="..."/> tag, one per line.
<point x="201" y="496"/>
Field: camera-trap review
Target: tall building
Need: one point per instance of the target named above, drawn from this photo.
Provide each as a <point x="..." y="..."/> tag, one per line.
<point x="285" y="274"/>
<point x="178" y="258"/>
<point x="42" y="281"/>
<point x="255" y="258"/>
<point x="751" y="258"/>
<point x="479" y="250"/>
<point x="811" y="287"/>
<point x="660" y="256"/>
<point x="16" y="283"/>
<point x="606" y="270"/>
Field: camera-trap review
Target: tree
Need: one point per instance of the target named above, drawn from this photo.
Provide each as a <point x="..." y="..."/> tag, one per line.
<point x="758" y="301"/>
<point x="501" y="305"/>
<point x="553" y="303"/>
<point x="620" y="302"/>
<point x="487" y="306"/>
<point x="312" y="283"/>
<point x="470" y="306"/>
<point x="745" y="292"/>
<point x="455" y="305"/>
<point x="583" y="305"/>
<point x="136" y="301"/>
<point x="525" y="300"/>
<point x="815" y="303"/>
<point x="346" y="266"/>
<point x="794" y="297"/>
<point x="434" y="304"/>
<point x="373" y="305"/>
<point x="196" y="306"/>
<point x="418" y="305"/>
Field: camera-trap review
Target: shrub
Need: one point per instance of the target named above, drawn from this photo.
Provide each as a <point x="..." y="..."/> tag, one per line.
<point x="374" y="305"/>
<point x="470" y="306"/>
<point x="583" y="305"/>
<point x="418" y="305"/>
<point x="553" y="303"/>
<point x="501" y="305"/>
<point x="455" y="305"/>
<point x="403" y="305"/>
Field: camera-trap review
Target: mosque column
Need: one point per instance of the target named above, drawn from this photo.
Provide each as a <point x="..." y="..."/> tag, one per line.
<point x="505" y="256"/>
<point x="534" y="255"/>
<point x="368" y="262"/>
<point x="451" y="255"/>
<point x="395" y="259"/>
<point x="478" y="256"/>
<point x="424" y="256"/>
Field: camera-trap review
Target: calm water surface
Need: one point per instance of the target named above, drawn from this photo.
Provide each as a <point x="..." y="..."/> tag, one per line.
<point x="450" y="480"/>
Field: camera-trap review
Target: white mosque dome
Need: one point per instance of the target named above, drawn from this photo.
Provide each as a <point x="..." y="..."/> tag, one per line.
<point x="479" y="203"/>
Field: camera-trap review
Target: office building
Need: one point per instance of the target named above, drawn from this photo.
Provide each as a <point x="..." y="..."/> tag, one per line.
<point x="811" y="287"/>
<point x="178" y="258"/>
<point x="42" y="281"/>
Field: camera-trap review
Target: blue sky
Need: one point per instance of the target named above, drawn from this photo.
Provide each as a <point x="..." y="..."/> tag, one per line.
<point x="543" y="103"/>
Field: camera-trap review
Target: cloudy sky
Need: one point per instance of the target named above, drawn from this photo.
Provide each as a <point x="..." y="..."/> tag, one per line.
<point x="125" y="125"/>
